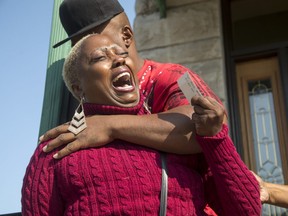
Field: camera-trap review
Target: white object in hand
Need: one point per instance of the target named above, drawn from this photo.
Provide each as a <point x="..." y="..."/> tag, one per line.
<point x="188" y="87"/>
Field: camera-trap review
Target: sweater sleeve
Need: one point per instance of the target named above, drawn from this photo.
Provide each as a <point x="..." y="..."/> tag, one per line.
<point x="39" y="193"/>
<point x="236" y="187"/>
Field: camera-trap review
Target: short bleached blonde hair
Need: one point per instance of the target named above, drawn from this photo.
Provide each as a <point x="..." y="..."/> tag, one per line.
<point x="71" y="69"/>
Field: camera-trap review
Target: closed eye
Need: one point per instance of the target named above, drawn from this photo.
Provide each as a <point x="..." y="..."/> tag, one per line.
<point x="97" y="59"/>
<point x="124" y="54"/>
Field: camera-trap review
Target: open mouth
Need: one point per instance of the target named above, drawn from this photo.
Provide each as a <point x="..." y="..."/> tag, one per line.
<point x="123" y="82"/>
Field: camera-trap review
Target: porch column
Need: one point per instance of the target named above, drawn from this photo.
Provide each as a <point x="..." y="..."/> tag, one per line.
<point x="57" y="99"/>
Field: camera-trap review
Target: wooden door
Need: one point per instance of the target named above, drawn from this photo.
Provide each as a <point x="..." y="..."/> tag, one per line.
<point x="263" y="122"/>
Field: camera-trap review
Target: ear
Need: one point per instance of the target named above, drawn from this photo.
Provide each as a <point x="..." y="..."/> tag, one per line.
<point x="77" y="91"/>
<point x="127" y="35"/>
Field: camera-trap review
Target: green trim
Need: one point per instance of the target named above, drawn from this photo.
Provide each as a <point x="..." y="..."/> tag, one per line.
<point x="162" y="8"/>
<point x="56" y="97"/>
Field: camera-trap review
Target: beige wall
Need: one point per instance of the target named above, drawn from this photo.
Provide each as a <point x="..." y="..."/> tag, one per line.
<point x="189" y="35"/>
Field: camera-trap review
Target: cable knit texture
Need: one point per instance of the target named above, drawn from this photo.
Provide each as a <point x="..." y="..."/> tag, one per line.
<point x="236" y="185"/>
<point x="125" y="179"/>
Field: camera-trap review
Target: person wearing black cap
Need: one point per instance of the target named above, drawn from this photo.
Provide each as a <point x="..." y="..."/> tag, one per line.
<point x="80" y="18"/>
<point x="171" y="113"/>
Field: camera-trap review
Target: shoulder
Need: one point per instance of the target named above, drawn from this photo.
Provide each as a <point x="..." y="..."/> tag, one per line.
<point x="40" y="162"/>
<point x="170" y="67"/>
<point x="37" y="182"/>
<point x="170" y="71"/>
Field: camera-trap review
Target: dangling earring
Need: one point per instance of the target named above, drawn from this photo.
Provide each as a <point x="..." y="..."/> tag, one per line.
<point x="78" y="122"/>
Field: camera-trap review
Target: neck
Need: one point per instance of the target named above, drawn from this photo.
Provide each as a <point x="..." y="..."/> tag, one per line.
<point x="139" y="62"/>
<point x="99" y="109"/>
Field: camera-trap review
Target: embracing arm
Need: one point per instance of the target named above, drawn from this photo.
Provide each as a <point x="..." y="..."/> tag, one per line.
<point x="170" y="131"/>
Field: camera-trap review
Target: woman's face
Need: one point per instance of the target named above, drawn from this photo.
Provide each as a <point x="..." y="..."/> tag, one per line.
<point x="106" y="76"/>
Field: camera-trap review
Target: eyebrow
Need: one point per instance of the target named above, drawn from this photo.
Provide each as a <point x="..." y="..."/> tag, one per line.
<point x="113" y="46"/>
<point x="103" y="49"/>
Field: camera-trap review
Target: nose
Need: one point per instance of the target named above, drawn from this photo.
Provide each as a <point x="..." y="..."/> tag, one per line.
<point x="118" y="60"/>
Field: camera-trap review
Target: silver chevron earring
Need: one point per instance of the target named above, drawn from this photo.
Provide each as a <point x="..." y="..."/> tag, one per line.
<point x="78" y="122"/>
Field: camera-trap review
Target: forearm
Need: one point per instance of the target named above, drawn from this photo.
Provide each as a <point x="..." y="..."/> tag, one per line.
<point x="278" y="194"/>
<point x="169" y="131"/>
<point x="237" y="187"/>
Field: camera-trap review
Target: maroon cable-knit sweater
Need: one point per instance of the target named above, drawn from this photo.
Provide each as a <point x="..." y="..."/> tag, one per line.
<point x="124" y="179"/>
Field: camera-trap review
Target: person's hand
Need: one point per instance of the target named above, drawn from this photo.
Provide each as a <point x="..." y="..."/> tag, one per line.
<point x="264" y="194"/>
<point x="208" y="115"/>
<point x="97" y="133"/>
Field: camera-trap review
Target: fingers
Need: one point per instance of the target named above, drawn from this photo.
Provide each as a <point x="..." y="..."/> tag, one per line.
<point x="62" y="139"/>
<point x="53" y="133"/>
<point x="257" y="178"/>
<point x="205" y="102"/>
<point x="200" y="101"/>
<point x="208" y="115"/>
<point x="68" y="149"/>
<point x="199" y="110"/>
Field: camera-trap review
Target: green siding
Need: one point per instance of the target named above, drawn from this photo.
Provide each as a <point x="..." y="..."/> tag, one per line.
<point x="56" y="101"/>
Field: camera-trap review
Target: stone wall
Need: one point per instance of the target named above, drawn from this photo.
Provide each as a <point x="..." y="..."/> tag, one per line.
<point x="189" y="35"/>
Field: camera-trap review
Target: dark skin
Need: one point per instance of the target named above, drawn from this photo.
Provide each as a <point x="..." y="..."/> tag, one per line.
<point x="170" y="131"/>
<point x="208" y="116"/>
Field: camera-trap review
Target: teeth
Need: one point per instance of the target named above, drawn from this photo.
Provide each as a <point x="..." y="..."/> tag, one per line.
<point x="121" y="75"/>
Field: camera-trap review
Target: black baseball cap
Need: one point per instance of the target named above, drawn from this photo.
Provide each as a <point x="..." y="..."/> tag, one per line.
<point x="78" y="16"/>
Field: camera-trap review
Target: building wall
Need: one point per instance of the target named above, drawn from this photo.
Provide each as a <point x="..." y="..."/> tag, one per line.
<point x="190" y="35"/>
